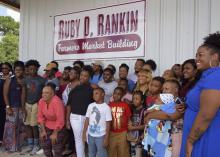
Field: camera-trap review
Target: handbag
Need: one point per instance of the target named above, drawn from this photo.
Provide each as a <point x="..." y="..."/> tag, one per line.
<point x="133" y="136"/>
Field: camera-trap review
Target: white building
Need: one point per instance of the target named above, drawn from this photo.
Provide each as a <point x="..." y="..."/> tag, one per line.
<point x="175" y="28"/>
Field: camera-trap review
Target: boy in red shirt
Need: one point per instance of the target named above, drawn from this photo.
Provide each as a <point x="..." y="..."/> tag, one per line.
<point x="121" y="113"/>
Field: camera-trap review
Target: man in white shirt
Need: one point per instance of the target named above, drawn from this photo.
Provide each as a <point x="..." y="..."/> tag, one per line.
<point x="108" y="84"/>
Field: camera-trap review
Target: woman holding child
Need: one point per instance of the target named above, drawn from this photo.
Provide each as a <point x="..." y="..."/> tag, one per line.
<point x="170" y="87"/>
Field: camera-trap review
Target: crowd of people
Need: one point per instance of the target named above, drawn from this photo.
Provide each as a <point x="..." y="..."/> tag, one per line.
<point x="97" y="111"/>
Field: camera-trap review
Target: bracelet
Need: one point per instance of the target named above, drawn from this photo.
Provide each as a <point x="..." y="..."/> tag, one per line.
<point x="7" y="106"/>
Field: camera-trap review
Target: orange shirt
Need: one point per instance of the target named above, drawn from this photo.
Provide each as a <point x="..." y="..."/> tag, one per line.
<point x="52" y="115"/>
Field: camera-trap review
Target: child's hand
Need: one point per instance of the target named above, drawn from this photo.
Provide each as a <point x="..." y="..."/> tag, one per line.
<point x="105" y="142"/>
<point x="146" y="120"/>
<point x="129" y="123"/>
<point x="84" y="137"/>
<point x="141" y="137"/>
<point x="180" y="108"/>
<point x="43" y="135"/>
<point x="130" y="126"/>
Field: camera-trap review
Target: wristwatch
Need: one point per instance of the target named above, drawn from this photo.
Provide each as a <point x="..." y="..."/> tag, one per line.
<point x="7" y="106"/>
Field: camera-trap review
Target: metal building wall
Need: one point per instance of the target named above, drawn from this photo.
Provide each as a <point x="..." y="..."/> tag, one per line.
<point x="175" y="28"/>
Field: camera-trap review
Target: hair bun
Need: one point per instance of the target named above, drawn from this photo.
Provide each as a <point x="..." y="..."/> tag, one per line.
<point x="213" y="40"/>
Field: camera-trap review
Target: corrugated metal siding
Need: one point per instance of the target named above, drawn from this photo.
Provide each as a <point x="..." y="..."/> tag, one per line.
<point x="175" y="28"/>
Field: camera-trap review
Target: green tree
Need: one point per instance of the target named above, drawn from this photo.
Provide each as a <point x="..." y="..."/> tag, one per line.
<point x="9" y="48"/>
<point x="9" y="38"/>
<point x="8" y="25"/>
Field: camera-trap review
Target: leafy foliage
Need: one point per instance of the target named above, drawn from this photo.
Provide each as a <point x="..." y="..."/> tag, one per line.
<point x="9" y="25"/>
<point x="9" y="39"/>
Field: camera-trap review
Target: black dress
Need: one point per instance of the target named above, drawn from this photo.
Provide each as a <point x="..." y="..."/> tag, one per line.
<point x="2" y="110"/>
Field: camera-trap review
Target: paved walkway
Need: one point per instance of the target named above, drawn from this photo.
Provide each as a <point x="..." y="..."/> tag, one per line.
<point x="5" y="154"/>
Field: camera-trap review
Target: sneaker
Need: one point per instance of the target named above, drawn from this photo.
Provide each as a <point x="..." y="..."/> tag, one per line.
<point x="40" y="152"/>
<point x="35" y="150"/>
<point x="26" y="149"/>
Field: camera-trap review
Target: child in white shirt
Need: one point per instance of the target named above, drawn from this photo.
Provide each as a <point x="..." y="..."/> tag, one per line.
<point x="97" y="123"/>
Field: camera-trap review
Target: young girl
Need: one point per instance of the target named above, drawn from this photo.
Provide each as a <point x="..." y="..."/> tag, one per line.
<point x="136" y="124"/>
<point x="14" y="95"/>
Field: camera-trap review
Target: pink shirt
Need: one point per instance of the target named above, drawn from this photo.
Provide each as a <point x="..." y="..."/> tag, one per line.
<point x="52" y="115"/>
<point x="58" y="74"/>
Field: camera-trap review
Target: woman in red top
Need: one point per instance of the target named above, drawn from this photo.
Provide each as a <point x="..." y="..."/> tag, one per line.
<point x="51" y="120"/>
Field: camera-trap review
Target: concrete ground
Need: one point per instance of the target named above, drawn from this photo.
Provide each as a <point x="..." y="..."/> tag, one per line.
<point x="5" y="154"/>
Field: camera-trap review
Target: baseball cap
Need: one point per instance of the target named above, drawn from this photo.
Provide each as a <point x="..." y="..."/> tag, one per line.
<point x="98" y="63"/>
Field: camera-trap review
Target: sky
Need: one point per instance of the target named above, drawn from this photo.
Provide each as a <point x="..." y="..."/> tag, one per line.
<point x="4" y="11"/>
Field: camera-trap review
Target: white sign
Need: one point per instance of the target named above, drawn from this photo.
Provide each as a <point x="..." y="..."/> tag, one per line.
<point x="110" y="32"/>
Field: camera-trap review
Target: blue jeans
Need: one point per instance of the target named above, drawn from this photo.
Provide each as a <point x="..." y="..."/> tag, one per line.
<point x="96" y="148"/>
